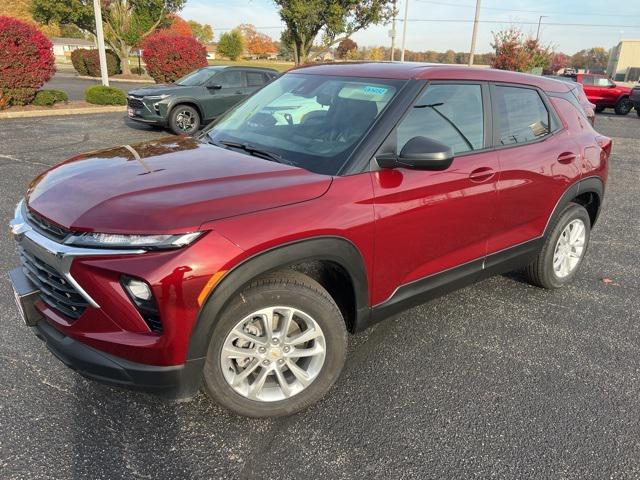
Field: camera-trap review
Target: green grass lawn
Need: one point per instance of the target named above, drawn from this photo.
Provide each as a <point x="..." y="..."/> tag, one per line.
<point x="276" y="65"/>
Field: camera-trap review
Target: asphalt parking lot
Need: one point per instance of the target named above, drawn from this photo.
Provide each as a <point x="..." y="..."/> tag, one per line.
<point x="496" y="380"/>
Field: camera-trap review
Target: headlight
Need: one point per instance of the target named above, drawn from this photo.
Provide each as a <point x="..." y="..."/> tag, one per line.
<point x="114" y="240"/>
<point x="156" y="97"/>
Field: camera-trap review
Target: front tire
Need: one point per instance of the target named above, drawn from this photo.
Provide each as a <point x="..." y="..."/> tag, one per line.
<point x="623" y="107"/>
<point x="599" y="108"/>
<point x="563" y="249"/>
<point x="277" y="348"/>
<point x="184" y="120"/>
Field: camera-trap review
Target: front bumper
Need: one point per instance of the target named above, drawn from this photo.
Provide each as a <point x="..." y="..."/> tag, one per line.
<point x="175" y="382"/>
<point x="146" y="112"/>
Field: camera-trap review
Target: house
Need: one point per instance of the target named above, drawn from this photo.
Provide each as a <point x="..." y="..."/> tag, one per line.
<point x="624" y="61"/>
<point x="62" y="47"/>
<point x="212" y="51"/>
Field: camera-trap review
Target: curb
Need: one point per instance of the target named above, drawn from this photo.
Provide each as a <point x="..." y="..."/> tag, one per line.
<point x="123" y="80"/>
<point x="62" y="111"/>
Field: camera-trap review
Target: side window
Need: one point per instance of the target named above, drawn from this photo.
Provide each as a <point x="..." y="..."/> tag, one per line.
<point x="588" y="80"/>
<point x="230" y="79"/>
<point x="449" y="113"/>
<point x="521" y="115"/>
<point x="256" y="79"/>
<point x="603" y="82"/>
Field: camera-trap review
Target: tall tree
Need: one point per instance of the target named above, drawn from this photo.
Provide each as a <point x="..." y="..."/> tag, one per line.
<point x="344" y="47"/>
<point x="21" y="9"/>
<point x="231" y="44"/>
<point x="202" y="32"/>
<point x="334" y="20"/>
<point x="595" y="57"/>
<point x="257" y="43"/>
<point x="178" y="26"/>
<point x="126" y="22"/>
<point x="515" y="52"/>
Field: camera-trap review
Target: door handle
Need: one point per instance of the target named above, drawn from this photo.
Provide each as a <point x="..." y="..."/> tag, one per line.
<point x="567" y="157"/>
<point x="482" y="174"/>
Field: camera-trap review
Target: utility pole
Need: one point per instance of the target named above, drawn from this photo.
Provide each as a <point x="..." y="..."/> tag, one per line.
<point x="393" y="31"/>
<point x="539" y="22"/>
<point x="404" y="28"/>
<point x="100" y="38"/>
<point x="474" y="35"/>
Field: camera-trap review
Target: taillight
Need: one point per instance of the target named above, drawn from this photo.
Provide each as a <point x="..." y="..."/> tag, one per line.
<point x="606" y="144"/>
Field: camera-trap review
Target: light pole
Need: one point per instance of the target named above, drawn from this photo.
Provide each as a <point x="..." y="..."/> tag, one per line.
<point x="404" y="28"/>
<point x="474" y="35"/>
<point x="100" y="38"/>
<point x="393" y="31"/>
<point x="539" y="22"/>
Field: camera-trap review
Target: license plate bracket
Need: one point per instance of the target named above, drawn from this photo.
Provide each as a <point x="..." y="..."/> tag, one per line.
<point x="25" y="294"/>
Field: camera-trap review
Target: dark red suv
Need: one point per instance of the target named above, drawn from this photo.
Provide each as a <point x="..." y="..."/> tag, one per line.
<point x="336" y="196"/>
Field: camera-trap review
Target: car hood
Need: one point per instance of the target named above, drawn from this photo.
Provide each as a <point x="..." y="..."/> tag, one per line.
<point x="173" y="185"/>
<point x="159" y="90"/>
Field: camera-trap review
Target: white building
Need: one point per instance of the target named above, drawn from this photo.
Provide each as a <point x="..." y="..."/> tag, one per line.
<point x="62" y="47"/>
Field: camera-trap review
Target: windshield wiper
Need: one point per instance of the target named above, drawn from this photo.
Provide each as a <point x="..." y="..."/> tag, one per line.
<point x="251" y="150"/>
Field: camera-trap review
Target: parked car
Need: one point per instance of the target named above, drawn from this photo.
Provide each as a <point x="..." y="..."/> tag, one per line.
<point x="196" y="98"/>
<point x="578" y="96"/>
<point x="239" y="260"/>
<point x="635" y="98"/>
<point x="604" y="93"/>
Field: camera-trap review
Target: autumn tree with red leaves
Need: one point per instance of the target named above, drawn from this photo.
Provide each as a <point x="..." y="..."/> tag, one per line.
<point x="256" y="43"/>
<point x="179" y="27"/>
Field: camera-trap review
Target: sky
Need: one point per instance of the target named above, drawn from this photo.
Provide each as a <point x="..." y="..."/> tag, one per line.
<point x="427" y="30"/>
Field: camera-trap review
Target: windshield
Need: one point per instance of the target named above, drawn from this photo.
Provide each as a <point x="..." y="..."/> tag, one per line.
<point x="197" y="77"/>
<point x="311" y="121"/>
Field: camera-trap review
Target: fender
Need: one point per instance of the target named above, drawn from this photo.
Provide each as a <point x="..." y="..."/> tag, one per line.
<point x="586" y="185"/>
<point x="334" y="249"/>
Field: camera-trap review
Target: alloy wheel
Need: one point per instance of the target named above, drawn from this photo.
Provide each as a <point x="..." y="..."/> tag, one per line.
<point x="569" y="248"/>
<point x="273" y="354"/>
<point x="185" y="120"/>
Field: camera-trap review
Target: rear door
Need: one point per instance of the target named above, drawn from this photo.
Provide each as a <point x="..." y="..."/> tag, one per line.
<point x="255" y="80"/>
<point x="592" y="89"/>
<point x="232" y="90"/>
<point x="538" y="161"/>
<point x="430" y="221"/>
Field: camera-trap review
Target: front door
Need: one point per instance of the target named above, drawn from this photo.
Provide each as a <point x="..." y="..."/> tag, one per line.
<point x="232" y="90"/>
<point x="431" y="221"/>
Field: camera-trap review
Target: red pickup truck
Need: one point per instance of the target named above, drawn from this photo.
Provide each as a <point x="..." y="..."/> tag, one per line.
<point x="604" y="93"/>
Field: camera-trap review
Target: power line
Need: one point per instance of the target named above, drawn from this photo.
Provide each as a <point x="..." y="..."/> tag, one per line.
<point x="528" y="11"/>
<point x="546" y="24"/>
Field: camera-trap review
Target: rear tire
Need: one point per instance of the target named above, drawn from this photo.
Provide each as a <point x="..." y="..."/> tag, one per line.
<point x="184" y="120"/>
<point x="599" y="108"/>
<point x="623" y="107"/>
<point x="562" y="254"/>
<point x="271" y="388"/>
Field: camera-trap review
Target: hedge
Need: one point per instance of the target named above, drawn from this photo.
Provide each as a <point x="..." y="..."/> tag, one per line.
<point x="101" y="95"/>
<point x="169" y="57"/>
<point x="26" y="61"/>
<point x="87" y="62"/>
<point x="46" y="98"/>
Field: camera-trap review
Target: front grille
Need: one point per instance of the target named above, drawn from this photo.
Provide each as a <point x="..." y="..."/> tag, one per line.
<point x="135" y="102"/>
<point x="55" y="289"/>
<point x="45" y="227"/>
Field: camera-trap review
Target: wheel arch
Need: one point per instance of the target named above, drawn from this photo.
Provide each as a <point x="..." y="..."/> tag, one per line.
<point x="334" y="250"/>
<point x="186" y="101"/>
<point x="588" y="192"/>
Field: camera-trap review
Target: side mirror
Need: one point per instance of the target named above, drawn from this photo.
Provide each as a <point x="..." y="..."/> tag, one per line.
<point x="420" y="153"/>
<point x="214" y="86"/>
<point x="612" y="85"/>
